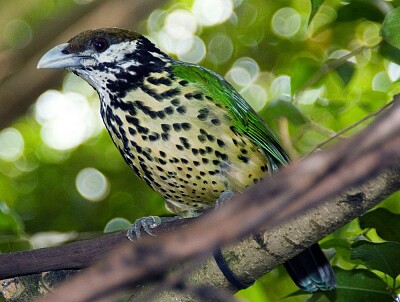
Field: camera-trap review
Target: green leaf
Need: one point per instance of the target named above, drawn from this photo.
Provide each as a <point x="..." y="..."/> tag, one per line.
<point x="278" y="108"/>
<point x="346" y="72"/>
<point x="302" y="70"/>
<point x="390" y="52"/>
<point x="358" y="285"/>
<point x="315" y="4"/>
<point x="373" y="100"/>
<point x="391" y="28"/>
<point x="386" y="223"/>
<point x="10" y="222"/>
<point x="373" y="10"/>
<point x="383" y="257"/>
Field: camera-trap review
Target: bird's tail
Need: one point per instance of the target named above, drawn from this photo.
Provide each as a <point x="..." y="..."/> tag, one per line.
<point x="311" y="271"/>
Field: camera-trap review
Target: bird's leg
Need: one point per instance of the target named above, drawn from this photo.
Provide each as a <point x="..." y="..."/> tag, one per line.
<point x="150" y="222"/>
<point x="218" y="256"/>
<point x="146" y="224"/>
<point x="224" y="197"/>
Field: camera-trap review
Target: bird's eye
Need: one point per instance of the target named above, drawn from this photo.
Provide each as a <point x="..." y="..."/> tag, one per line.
<point x="100" y="44"/>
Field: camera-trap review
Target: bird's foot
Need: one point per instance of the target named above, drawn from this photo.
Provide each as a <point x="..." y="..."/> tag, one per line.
<point x="146" y="224"/>
<point x="224" y="197"/>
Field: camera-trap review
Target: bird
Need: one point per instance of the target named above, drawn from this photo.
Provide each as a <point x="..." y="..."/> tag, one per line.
<point x="182" y="128"/>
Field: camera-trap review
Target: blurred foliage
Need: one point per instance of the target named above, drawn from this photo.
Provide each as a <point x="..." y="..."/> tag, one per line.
<point x="318" y="65"/>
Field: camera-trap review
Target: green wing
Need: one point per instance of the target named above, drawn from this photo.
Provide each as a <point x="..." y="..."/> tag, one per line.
<point x="248" y="122"/>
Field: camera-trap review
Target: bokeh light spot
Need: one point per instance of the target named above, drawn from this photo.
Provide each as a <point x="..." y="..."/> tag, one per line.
<point x="255" y="95"/>
<point x="212" y="12"/>
<point x="117" y="224"/>
<point x="92" y="184"/>
<point x="17" y="33"/>
<point x="11" y="144"/>
<point x="180" y="24"/>
<point x="244" y="71"/>
<point x="281" y="88"/>
<point x="220" y="49"/>
<point x="191" y="50"/>
<point x="286" y="22"/>
<point x="393" y="71"/>
<point x="381" y="81"/>
<point x="67" y="119"/>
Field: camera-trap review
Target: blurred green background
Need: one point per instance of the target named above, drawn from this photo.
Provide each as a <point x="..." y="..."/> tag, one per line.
<point x="310" y="68"/>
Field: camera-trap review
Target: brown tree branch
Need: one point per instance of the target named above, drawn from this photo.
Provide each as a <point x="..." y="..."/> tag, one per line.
<point x="295" y="189"/>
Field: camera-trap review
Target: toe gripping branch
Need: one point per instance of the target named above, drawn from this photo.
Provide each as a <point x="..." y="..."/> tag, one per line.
<point x="227" y="272"/>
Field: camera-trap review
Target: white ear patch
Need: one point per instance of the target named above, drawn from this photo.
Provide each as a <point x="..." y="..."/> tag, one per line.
<point x="116" y="52"/>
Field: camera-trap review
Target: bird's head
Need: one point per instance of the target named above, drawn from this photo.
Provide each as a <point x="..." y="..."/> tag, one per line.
<point x="106" y="55"/>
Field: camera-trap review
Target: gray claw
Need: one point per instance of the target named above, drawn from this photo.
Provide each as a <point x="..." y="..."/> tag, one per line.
<point x="224" y="197"/>
<point x="146" y="223"/>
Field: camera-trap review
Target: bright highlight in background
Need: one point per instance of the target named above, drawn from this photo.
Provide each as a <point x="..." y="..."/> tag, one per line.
<point x="286" y="22"/>
<point x="212" y="12"/>
<point x="11" y="144"/>
<point x="67" y="119"/>
<point x="92" y="184"/>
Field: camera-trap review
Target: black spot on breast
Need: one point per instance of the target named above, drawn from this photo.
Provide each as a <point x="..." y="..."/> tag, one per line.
<point x="203" y="114"/>
<point x="181" y="109"/>
<point x="170" y="93"/>
<point x="210" y="137"/>
<point x="141" y="129"/>
<point x="177" y="127"/>
<point x="243" y="158"/>
<point x="161" y="114"/>
<point x="159" y="81"/>
<point x="216" y="121"/>
<point x="165" y="127"/>
<point x="202" y="138"/>
<point x="220" y="143"/>
<point x="154" y="136"/>
<point x="198" y="96"/>
<point x="186" y="126"/>
<point x="176" y="102"/>
<point x="165" y="136"/>
<point x="184" y="142"/>
<point x="183" y="83"/>
<point x="132" y="120"/>
<point x="132" y="131"/>
<point x="169" y="110"/>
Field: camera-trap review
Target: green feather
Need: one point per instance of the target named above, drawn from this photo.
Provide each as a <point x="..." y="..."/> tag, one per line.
<point x="248" y="122"/>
